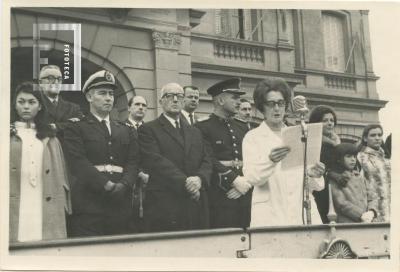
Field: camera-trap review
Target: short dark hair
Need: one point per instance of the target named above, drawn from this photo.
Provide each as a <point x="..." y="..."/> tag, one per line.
<point x="365" y="132"/>
<point x="244" y="100"/>
<point x="318" y="113"/>
<point x="191" y="87"/>
<point x="267" y="85"/>
<point x="130" y="101"/>
<point x="41" y="119"/>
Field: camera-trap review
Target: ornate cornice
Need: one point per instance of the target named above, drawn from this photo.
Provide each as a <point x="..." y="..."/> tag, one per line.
<point x="166" y="40"/>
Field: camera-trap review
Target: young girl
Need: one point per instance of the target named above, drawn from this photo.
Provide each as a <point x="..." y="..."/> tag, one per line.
<point x="353" y="201"/>
<point x="39" y="192"/>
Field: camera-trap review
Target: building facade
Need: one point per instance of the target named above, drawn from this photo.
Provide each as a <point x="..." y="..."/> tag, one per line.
<point x="324" y="55"/>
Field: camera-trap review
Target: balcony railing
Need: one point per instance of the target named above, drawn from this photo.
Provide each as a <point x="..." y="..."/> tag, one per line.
<point x="340" y="82"/>
<point x="238" y="52"/>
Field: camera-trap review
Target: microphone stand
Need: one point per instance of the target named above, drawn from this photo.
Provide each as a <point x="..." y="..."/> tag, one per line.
<point x="306" y="190"/>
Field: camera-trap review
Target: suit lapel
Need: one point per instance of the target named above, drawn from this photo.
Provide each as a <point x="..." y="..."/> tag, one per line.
<point x="61" y="108"/>
<point x="172" y="131"/>
<point x="95" y="123"/>
<point x="115" y="129"/>
<point x="187" y="135"/>
<point x="51" y="109"/>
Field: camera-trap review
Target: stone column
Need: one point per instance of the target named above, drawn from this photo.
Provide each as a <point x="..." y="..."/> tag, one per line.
<point x="166" y="46"/>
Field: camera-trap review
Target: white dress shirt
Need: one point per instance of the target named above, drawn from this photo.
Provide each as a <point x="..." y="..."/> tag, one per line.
<point x="107" y="119"/>
<point x="172" y="121"/>
<point x="186" y="115"/>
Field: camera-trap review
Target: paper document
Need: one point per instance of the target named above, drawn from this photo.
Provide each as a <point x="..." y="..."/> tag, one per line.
<point x="292" y="137"/>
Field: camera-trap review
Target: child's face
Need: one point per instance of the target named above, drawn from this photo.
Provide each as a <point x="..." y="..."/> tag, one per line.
<point x="349" y="161"/>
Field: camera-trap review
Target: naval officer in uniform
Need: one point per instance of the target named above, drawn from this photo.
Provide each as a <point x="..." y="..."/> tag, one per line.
<point x="229" y="194"/>
<point x="103" y="155"/>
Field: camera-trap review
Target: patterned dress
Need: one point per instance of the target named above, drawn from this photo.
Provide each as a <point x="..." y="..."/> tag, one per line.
<point x="377" y="172"/>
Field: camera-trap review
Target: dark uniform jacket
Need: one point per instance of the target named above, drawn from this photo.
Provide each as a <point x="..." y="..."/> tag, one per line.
<point x="88" y="144"/>
<point x="169" y="156"/>
<point x="225" y="144"/>
<point x="60" y="114"/>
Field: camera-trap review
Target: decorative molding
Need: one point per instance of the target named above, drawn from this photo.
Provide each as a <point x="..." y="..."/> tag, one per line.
<point x="195" y="16"/>
<point x="335" y="74"/>
<point x="166" y="40"/>
<point x="240" y="71"/>
<point x="118" y="15"/>
<point x="238" y="52"/>
<point x="282" y="46"/>
<point x="340" y="82"/>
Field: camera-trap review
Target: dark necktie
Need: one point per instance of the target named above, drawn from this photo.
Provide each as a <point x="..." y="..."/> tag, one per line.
<point x="55" y="103"/>
<point x="177" y="125"/>
<point x="191" y="119"/>
<point x="137" y="126"/>
<point x="105" y="128"/>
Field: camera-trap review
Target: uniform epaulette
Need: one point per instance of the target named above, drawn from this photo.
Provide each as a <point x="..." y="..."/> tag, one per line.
<point x="126" y="123"/>
<point x="202" y="119"/>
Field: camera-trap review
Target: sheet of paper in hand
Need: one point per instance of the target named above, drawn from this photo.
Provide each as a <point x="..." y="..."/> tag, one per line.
<point x="291" y="137"/>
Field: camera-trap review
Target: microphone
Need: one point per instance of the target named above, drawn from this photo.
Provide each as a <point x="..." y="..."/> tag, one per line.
<point x="299" y="103"/>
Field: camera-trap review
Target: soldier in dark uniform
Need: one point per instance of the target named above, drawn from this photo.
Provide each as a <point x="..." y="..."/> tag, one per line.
<point x="103" y="156"/>
<point x="229" y="194"/>
<point x="244" y="114"/>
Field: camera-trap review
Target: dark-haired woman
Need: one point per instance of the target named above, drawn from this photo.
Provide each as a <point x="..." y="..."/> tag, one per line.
<point x="327" y="116"/>
<point x="39" y="188"/>
<point x="277" y="196"/>
<point x="376" y="168"/>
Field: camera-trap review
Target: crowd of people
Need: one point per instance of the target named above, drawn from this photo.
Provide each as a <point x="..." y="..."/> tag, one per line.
<point x="77" y="175"/>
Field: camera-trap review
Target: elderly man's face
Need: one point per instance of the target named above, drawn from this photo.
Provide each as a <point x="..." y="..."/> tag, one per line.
<point x="230" y="103"/>
<point x="50" y="81"/>
<point x="172" y="99"/>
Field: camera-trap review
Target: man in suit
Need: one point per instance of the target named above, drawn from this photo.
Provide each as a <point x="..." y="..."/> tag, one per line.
<point x="137" y="108"/>
<point x="103" y="156"/>
<point x="59" y="111"/>
<point x="190" y="103"/>
<point x="230" y="194"/>
<point x="175" y="157"/>
<point x="244" y="114"/>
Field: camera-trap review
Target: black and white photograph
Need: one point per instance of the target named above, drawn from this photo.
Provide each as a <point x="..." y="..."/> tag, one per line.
<point x="190" y="136"/>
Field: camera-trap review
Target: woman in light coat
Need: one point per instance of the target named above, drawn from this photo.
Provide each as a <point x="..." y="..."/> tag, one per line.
<point x="377" y="168"/>
<point x="39" y="190"/>
<point x="278" y="194"/>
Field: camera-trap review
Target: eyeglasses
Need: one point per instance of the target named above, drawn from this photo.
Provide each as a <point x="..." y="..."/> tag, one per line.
<point x="271" y="104"/>
<point x="171" y="96"/>
<point x="52" y="79"/>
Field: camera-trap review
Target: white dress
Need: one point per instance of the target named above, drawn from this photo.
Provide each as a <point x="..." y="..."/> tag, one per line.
<point x="278" y="195"/>
<point x="30" y="207"/>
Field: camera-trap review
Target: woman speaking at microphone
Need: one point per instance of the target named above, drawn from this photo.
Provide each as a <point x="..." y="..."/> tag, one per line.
<point x="278" y="194"/>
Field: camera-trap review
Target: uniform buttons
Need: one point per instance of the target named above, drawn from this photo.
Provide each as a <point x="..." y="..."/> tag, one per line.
<point x="109" y="143"/>
<point x="111" y="157"/>
<point x="231" y="130"/>
<point x="233" y="137"/>
<point x="234" y="144"/>
<point x="237" y="152"/>
<point x="225" y="178"/>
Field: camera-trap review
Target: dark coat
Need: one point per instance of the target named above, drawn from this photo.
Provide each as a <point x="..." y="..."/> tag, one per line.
<point x="87" y="145"/>
<point x="56" y="197"/>
<point x="225" y="212"/>
<point x="170" y="157"/>
<point x="60" y="114"/>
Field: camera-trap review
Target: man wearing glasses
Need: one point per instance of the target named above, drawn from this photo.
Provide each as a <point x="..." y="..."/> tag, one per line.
<point x="59" y="110"/>
<point x="229" y="194"/>
<point x="174" y="156"/>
